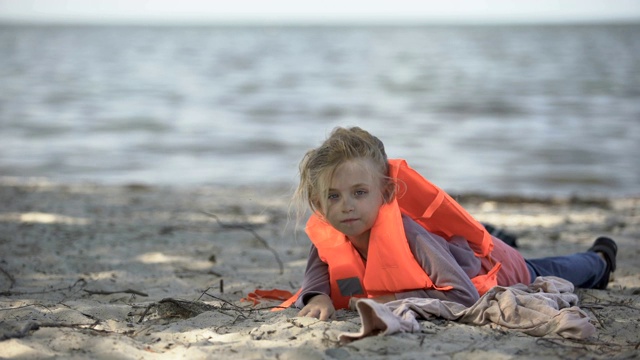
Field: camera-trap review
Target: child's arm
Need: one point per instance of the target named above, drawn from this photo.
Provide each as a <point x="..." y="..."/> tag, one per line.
<point x="316" y="279"/>
<point x="433" y="253"/>
<point x="314" y="298"/>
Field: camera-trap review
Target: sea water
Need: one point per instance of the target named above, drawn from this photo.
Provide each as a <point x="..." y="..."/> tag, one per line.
<point x="499" y="109"/>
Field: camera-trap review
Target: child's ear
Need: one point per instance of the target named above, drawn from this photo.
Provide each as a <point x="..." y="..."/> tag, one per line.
<point x="389" y="191"/>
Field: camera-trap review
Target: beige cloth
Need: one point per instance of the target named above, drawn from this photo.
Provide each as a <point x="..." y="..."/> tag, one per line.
<point x="547" y="306"/>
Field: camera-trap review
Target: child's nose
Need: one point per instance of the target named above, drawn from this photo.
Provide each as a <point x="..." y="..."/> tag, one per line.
<point x="347" y="205"/>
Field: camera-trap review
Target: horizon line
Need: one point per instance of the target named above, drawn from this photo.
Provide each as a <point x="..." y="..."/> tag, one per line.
<point x="320" y="23"/>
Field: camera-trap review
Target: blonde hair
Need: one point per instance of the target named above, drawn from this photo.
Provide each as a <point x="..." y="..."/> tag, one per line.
<point x="318" y="166"/>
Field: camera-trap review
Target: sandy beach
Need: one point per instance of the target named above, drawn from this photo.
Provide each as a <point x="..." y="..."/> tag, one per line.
<point x="144" y="272"/>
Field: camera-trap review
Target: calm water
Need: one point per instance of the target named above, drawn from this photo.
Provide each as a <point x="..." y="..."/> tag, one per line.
<point x="529" y="109"/>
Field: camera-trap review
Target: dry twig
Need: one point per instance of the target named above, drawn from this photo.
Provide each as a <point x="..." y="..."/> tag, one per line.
<point x="34" y="325"/>
<point x="12" y="280"/>
<point x="25" y="306"/>
<point x="127" y="291"/>
<point x="251" y="230"/>
<point x="81" y="281"/>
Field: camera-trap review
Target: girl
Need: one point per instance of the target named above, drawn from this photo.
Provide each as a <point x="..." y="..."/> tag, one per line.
<point x="380" y="230"/>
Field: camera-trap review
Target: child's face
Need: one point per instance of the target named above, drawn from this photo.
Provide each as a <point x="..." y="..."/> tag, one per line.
<point x="355" y="197"/>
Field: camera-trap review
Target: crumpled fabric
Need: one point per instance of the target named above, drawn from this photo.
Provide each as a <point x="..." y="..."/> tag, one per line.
<point x="548" y="306"/>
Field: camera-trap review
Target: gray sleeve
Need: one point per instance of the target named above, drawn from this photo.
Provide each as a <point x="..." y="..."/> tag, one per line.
<point x="316" y="279"/>
<point x="465" y="257"/>
<point x="448" y="264"/>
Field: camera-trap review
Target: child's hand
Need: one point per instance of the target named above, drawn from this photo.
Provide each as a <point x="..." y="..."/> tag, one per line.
<point x="319" y="307"/>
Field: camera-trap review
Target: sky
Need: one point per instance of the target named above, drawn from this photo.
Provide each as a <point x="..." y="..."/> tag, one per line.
<point x="318" y="11"/>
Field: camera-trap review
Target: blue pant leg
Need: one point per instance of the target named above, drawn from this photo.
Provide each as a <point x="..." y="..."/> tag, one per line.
<point x="583" y="270"/>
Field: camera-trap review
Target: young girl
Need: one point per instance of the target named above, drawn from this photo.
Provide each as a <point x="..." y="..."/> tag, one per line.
<point x="380" y="230"/>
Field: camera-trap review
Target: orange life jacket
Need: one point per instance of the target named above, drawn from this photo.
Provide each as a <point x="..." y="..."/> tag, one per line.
<point x="391" y="266"/>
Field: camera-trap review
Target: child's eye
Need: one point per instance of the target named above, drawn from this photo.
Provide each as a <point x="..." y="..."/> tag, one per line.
<point x="361" y="192"/>
<point x="332" y="196"/>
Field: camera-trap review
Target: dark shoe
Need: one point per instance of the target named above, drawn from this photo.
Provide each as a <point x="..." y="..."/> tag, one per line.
<point x="508" y="238"/>
<point x="609" y="249"/>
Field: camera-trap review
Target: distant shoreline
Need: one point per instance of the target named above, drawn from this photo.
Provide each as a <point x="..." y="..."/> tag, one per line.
<point x="472" y="197"/>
